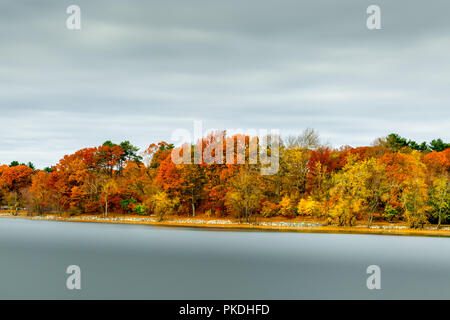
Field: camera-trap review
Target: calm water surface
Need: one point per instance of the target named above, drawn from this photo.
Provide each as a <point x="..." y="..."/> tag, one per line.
<point x="145" y="262"/>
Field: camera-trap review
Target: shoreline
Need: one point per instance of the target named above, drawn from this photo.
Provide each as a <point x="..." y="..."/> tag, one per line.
<point x="263" y="226"/>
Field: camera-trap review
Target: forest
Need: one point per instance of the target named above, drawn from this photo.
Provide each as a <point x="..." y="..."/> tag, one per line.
<point x="393" y="180"/>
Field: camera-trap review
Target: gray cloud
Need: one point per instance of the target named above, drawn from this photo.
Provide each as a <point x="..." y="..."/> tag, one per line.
<point x="138" y="70"/>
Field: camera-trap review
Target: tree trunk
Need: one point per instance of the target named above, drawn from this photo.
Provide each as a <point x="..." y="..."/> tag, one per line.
<point x="15" y="204"/>
<point x="193" y="204"/>
<point x="369" y="222"/>
<point x="439" y="222"/>
<point x="441" y="204"/>
<point x="372" y="212"/>
<point x="106" y="206"/>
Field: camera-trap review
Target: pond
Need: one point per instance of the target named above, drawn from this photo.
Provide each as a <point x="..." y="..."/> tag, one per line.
<point x="119" y="261"/>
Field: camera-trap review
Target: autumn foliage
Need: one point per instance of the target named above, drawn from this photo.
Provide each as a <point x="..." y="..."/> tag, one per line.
<point x="392" y="180"/>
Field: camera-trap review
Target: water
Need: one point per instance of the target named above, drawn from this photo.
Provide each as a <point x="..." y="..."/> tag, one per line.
<point x="145" y="262"/>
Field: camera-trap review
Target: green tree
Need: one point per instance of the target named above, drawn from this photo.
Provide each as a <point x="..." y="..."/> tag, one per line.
<point x="438" y="145"/>
<point x="395" y="142"/>
<point x="31" y="166"/>
<point x="130" y="152"/>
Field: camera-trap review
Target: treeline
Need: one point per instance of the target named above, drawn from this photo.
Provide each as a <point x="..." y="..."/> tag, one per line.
<point x="397" y="143"/>
<point x="393" y="180"/>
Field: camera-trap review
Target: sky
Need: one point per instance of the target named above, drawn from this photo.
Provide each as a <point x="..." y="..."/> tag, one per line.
<point x="138" y="70"/>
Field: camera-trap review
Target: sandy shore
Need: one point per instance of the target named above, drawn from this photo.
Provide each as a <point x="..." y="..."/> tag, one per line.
<point x="264" y="225"/>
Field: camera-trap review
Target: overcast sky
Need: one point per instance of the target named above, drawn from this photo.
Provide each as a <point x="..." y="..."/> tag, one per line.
<point x="138" y="70"/>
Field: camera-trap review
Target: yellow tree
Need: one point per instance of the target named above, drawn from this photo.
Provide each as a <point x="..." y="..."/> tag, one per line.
<point x="376" y="186"/>
<point x="440" y="197"/>
<point x="293" y="170"/>
<point x="107" y="186"/>
<point x="406" y="176"/>
<point x="357" y="190"/>
<point x="415" y="198"/>
<point x="244" y="196"/>
<point x="161" y="204"/>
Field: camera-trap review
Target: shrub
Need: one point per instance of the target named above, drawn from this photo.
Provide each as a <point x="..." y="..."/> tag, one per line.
<point x="208" y="213"/>
<point x="343" y="213"/>
<point x="415" y="220"/>
<point x="162" y="204"/>
<point x="287" y="207"/>
<point x="308" y="207"/>
<point x="74" y="211"/>
<point x="128" y="205"/>
<point x="390" y="212"/>
<point x="269" y="209"/>
<point x="140" y="209"/>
